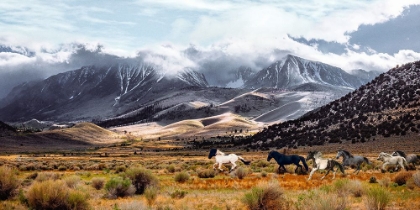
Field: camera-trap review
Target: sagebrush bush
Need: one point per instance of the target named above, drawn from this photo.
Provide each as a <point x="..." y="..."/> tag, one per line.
<point x="178" y="194"/>
<point x="377" y="198"/>
<point x="120" y="169"/>
<point x="241" y="172"/>
<point x="170" y="169"/>
<point x="355" y="187"/>
<point x="9" y="182"/>
<point x="321" y="200"/>
<point x="97" y="183"/>
<point x="141" y="179"/>
<point x="151" y="194"/>
<point x="206" y="173"/>
<point x="385" y="182"/>
<point x="182" y="177"/>
<point x="119" y="187"/>
<point x="72" y="181"/>
<point x="416" y="178"/>
<point x="265" y="196"/>
<point x="54" y="194"/>
<point x="44" y="176"/>
<point x="402" y="177"/>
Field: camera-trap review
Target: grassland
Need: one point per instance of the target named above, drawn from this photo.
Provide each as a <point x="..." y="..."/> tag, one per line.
<point x="223" y="191"/>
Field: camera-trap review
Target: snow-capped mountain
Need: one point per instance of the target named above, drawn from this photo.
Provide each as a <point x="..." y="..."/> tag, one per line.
<point x="294" y="72"/>
<point x="91" y="91"/>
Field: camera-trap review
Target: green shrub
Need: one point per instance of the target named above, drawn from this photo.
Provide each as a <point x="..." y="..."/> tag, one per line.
<point x="377" y="198"/>
<point x="265" y="196"/>
<point x="62" y="168"/>
<point x="182" y="177"/>
<point x="44" y="176"/>
<point x="206" y="173"/>
<point x="150" y="194"/>
<point x="53" y="195"/>
<point x="402" y="177"/>
<point x="141" y="179"/>
<point x="119" y="187"/>
<point x="9" y="182"/>
<point x="373" y="179"/>
<point x="78" y="200"/>
<point x="97" y="183"/>
<point x="120" y="169"/>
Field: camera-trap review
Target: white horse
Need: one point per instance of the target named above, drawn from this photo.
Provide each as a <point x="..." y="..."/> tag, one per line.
<point x="388" y="159"/>
<point x="222" y="158"/>
<point x="323" y="163"/>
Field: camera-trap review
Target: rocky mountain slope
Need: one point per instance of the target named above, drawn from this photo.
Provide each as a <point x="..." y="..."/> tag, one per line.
<point x="295" y="73"/>
<point x="388" y="106"/>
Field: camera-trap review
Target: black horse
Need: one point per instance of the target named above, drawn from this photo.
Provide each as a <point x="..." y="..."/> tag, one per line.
<point x="287" y="159"/>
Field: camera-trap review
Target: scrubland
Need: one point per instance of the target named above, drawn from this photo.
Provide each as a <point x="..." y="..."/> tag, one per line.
<point x="186" y="180"/>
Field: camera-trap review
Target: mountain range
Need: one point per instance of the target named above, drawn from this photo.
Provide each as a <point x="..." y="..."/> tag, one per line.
<point x="129" y="93"/>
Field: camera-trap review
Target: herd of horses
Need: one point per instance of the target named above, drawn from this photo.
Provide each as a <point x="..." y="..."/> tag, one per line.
<point x="397" y="159"/>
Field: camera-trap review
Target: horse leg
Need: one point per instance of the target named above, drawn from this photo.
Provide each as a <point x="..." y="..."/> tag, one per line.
<point x="284" y="168"/>
<point x="220" y="166"/>
<point x="298" y="166"/>
<point x="214" y="165"/>
<point x="233" y="166"/>
<point x="312" y="172"/>
<point x="357" y="169"/>
<point x="383" y="166"/>
<point x="402" y="165"/>
<point x="328" y="171"/>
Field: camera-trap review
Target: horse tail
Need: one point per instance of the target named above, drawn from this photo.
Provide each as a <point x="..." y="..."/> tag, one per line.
<point x="367" y="160"/>
<point x="339" y="166"/>
<point x="302" y="159"/>
<point x="246" y="162"/>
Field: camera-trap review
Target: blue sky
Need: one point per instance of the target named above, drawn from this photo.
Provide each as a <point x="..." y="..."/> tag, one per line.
<point x="374" y="34"/>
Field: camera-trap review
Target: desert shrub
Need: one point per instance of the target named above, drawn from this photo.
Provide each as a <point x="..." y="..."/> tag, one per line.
<point x="373" y="179"/>
<point x="206" y="173"/>
<point x="170" y="169"/>
<point x="10" y="205"/>
<point x="355" y="188"/>
<point x="120" y="169"/>
<point x="263" y="174"/>
<point x="241" y="172"/>
<point x="102" y="166"/>
<point x="62" y="168"/>
<point x="265" y="196"/>
<point x="182" y="177"/>
<point x="385" y="182"/>
<point x="178" y="194"/>
<point x="78" y="200"/>
<point x="44" y="176"/>
<point x="97" y="183"/>
<point x="32" y="176"/>
<point x="119" y="187"/>
<point x="150" y="194"/>
<point x="402" y="177"/>
<point x="340" y="186"/>
<point x="130" y="205"/>
<point x="416" y="178"/>
<point x="410" y="184"/>
<point x="72" y="181"/>
<point x="52" y="194"/>
<point x="141" y="179"/>
<point x="321" y="200"/>
<point x="377" y="198"/>
<point x="9" y="182"/>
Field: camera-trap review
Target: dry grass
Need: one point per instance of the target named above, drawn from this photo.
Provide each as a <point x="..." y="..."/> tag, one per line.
<point x="222" y="191"/>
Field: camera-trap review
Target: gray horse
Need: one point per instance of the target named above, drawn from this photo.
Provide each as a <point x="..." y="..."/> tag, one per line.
<point x="411" y="158"/>
<point x="352" y="160"/>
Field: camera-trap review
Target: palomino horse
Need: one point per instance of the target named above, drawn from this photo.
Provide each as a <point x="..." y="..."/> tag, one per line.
<point x="222" y="158"/>
<point x="323" y="163"/>
<point x="391" y="160"/>
<point x="287" y="159"/>
<point x="350" y="160"/>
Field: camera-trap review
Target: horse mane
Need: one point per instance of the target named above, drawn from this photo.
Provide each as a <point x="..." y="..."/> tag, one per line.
<point x="212" y="153"/>
<point x="347" y="153"/>
<point x="220" y="152"/>
<point x="401" y="153"/>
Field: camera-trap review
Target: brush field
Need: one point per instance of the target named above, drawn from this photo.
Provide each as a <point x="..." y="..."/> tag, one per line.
<point x="186" y="180"/>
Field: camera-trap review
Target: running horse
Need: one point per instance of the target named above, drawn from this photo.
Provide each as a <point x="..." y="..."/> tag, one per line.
<point x="352" y="160"/>
<point x="287" y="159"/>
<point x="323" y="164"/>
<point x="222" y="158"/>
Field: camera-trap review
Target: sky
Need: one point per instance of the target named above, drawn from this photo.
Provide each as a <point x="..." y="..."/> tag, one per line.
<point x="39" y="38"/>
